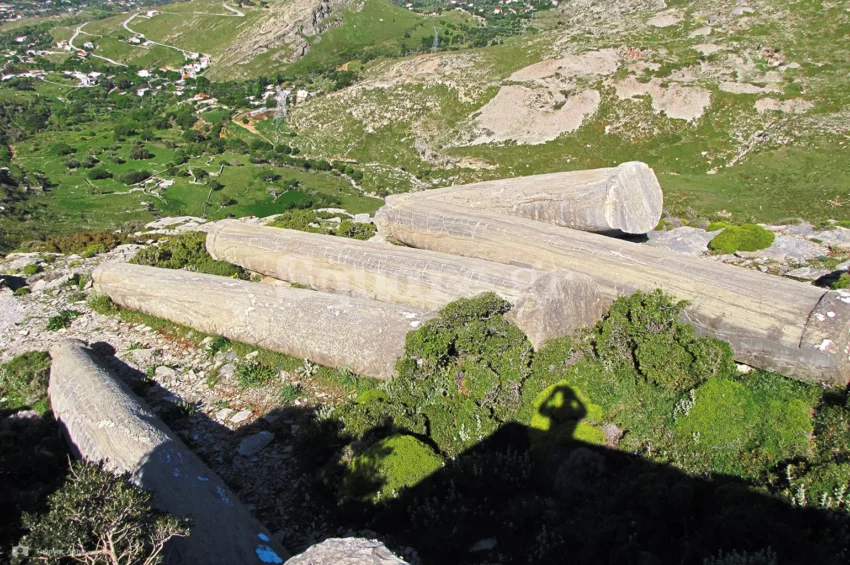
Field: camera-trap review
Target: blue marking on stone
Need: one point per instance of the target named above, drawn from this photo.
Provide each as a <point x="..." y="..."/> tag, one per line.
<point x="263" y="537"/>
<point x="267" y="554"/>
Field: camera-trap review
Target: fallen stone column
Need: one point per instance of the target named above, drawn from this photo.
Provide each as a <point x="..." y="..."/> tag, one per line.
<point x="773" y="323"/>
<point x="104" y="421"/>
<point x="545" y="304"/>
<point x="625" y="198"/>
<point x="363" y="335"/>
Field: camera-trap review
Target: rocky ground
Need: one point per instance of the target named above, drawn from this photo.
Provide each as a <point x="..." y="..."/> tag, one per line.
<point x="799" y="251"/>
<point x="246" y="434"/>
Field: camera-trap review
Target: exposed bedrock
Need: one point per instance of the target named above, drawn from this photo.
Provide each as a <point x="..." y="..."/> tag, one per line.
<point x="773" y="323"/>
<point x="625" y="198"/>
<point x="105" y="421"/>
<point x="545" y="304"/>
<point x="360" y="334"/>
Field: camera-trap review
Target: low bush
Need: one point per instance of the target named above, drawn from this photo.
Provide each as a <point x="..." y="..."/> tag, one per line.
<point x="23" y="382"/>
<point x="644" y="331"/>
<point x="187" y="251"/>
<point x="32" y="269"/>
<point x="134" y="177"/>
<point x="98" y="512"/>
<point x="563" y="413"/>
<point x="842" y="282"/>
<point x="352" y="230"/>
<point x="22" y="291"/>
<point x="748" y="237"/>
<point x="254" y="374"/>
<point x="93" y="250"/>
<point x="301" y="220"/>
<point x="62" y="320"/>
<point x="99" y="174"/>
<point x="80" y="242"/>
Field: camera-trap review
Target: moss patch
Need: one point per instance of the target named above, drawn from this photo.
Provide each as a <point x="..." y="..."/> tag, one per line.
<point x="748" y="237"/>
<point x="737" y="430"/>
<point x="390" y="465"/>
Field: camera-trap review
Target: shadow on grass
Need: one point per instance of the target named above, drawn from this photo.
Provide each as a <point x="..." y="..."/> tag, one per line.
<point x="521" y="495"/>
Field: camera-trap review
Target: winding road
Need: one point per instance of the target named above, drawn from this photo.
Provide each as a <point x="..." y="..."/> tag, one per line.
<point x="77" y="31"/>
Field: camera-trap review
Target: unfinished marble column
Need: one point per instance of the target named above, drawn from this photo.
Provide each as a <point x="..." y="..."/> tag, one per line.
<point x="773" y="323"/>
<point x="360" y="334"/>
<point x="104" y="421"/>
<point x="545" y="304"/>
<point x="626" y="198"/>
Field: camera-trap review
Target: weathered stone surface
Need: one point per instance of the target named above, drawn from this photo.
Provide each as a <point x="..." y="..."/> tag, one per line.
<point x="347" y="551"/>
<point x="787" y="248"/>
<point x="807" y="273"/>
<point x="363" y="335"/>
<point x="545" y="304"/>
<point x="104" y="420"/>
<point x="687" y="240"/>
<point x="836" y="237"/>
<point x="253" y="444"/>
<point x="627" y="198"/>
<point x="767" y="320"/>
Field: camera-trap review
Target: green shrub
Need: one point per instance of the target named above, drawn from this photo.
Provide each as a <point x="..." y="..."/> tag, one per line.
<point x="94" y="249"/>
<point x="102" y="304"/>
<point x="99" y="173"/>
<point x="96" y="509"/>
<point x="218" y="343"/>
<point x="23" y="381"/>
<point x="62" y="149"/>
<point x="289" y="393"/>
<point x="842" y="282"/>
<point x="563" y="413"/>
<point x="732" y="428"/>
<point x="389" y="466"/>
<point x="748" y="237"/>
<point x="133" y="176"/>
<point x="644" y="331"/>
<point x="254" y="374"/>
<point x="32" y="269"/>
<point x="825" y="486"/>
<point x="465" y="370"/>
<point x="22" y="291"/>
<point x="349" y="229"/>
<point x="187" y="251"/>
<point x="80" y="242"/>
<point x="62" y="320"/>
<point x="374" y="414"/>
<point x="715" y="226"/>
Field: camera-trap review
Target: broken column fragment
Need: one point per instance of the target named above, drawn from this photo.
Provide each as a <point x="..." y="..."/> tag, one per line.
<point x="360" y="334"/>
<point x="545" y="304"/>
<point x="105" y="421"/>
<point x="626" y="198"/>
<point x="773" y="323"/>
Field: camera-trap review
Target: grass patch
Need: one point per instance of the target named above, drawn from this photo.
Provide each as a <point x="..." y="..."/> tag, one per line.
<point x="62" y="320"/>
<point x="254" y="374"/>
<point x="23" y="382"/>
